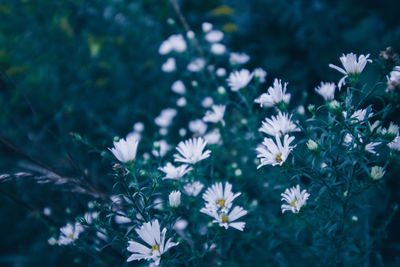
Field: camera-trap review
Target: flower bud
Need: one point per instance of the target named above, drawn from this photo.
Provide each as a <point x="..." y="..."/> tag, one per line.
<point x="377" y="172"/>
<point x="174" y="199"/>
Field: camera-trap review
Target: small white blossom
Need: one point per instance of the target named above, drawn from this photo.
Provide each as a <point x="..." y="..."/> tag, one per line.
<point x="181" y="102"/>
<point x="196" y="65"/>
<point x="370" y="147"/>
<point x="351" y="65"/>
<point x="294" y="199"/>
<point x="213" y="137"/>
<point x="198" y="126"/>
<point x="377" y="172"/>
<point x="239" y="79"/>
<point x="214" y="36"/>
<point x="326" y="90"/>
<point x="156" y="243"/>
<point x="192" y="151"/>
<point x="125" y="149"/>
<point x="175" y="42"/>
<point x="138" y="127"/>
<point x="238" y="58"/>
<point x="175" y="173"/>
<point x="221" y="72"/>
<point x="69" y="233"/>
<point x="395" y="144"/>
<point x="218" y="49"/>
<point x="161" y="148"/>
<point x="190" y="34"/>
<point x="260" y="74"/>
<point x="392" y="132"/>
<point x="193" y="189"/>
<point x="271" y="153"/>
<point x="216" y="115"/>
<point x="169" y="65"/>
<point x="174" y="199"/>
<point x="227" y="219"/>
<point x="312" y="145"/>
<point x="178" y="87"/>
<point x="206" y="26"/>
<point x="219" y="198"/>
<point x="275" y="95"/>
<point x="207" y="102"/>
<point x="165" y="118"/>
<point x="279" y="125"/>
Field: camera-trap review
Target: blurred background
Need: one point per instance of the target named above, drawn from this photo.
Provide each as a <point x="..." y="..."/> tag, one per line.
<point x="93" y="67"/>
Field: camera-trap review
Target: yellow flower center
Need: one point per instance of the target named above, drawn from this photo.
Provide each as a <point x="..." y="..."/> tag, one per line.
<point x="71" y="236"/>
<point x="278" y="158"/>
<point x="221" y="202"/>
<point x="224" y="218"/>
<point x="293" y="203"/>
<point x="155" y="247"/>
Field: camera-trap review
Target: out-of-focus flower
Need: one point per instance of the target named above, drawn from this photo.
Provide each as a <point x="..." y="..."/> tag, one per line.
<point x="221" y="72"/>
<point x="238" y="58"/>
<point x="196" y="65"/>
<point x="377" y="172"/>
<point x="216" y="115"/>
<point x="326" y="90"/>
<point x="175" y="42"/>
<point x="181" y="102"/>
<point x="193" y="189"/>
<point x="213" y="137"/>
<point x="279" y="125"/>
<point x="178" y="87"/>
<point x="69" y="233"/>
<point x="160" y="148"/>
<point x="312" y="145"/>
<point x="294" y="198"/>
<point x="394" y="80"/>
<point x="156" y="244"/>
<point x="218" y="49"/>
<point x="260" y="74"/>
<point x="370" y="147"/>
<point x="169" y="65"/>
<point x="207" y="102"/>
<point x="174" y="199"/>
<point x="206" y="26"/>
<point x="197" y="126"/>
<point x="192" y="151"/>
<point x="165" y="118"/>
<point x="125" y="149"/>
<point x="392" y="132"/>
<point x="276" y="94"/>
<point x="214" y="36"/>
<point x="271" y="153"/>
<point x="239" y="79"/>
<point x="175" y="173"/>
<point x="395" y="144"/>
<point x="352" y="66"/>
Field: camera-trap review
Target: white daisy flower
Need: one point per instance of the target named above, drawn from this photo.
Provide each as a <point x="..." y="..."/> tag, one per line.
<point x="165" y="118"/>
<point x="275" y="95"/>
<point x="392" y="132"/>
<point x="370" y="147"/>
<point x="216" y="115"/>
<point x="198" y="126"/>
<point x="169" y="65"/>
<point x="192" y="151"/>
<point x="351" y="65"/>
<point x="326" y="90"/>
<point x="294" y="199"/>
<point x="377" y="172"/>
<point x="214" y="36"/>
<point x="358" y="115"/>
<point x="178" y="87"/>
<point x="238" y="58"/>
<point x="125" y="149"/>
<point x="174" y="199"/>
<point x="239" y="79"/>
<point x="196" y="65"/>
<point x="260" y="74"/>
<point x="156" y="244"/>
<point x="226" y="219"/>
<point x="279" y="125"/>
<point x="271" y="153"/>
<point x="193" y="189"/>
<point x="175" y="173"/>
<point x="69" y="233"/>
<point x="218" y="49"/>
<point x="219" y="198"/>
<point x="395" y="144"/>
<point x="181" y="102"/>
